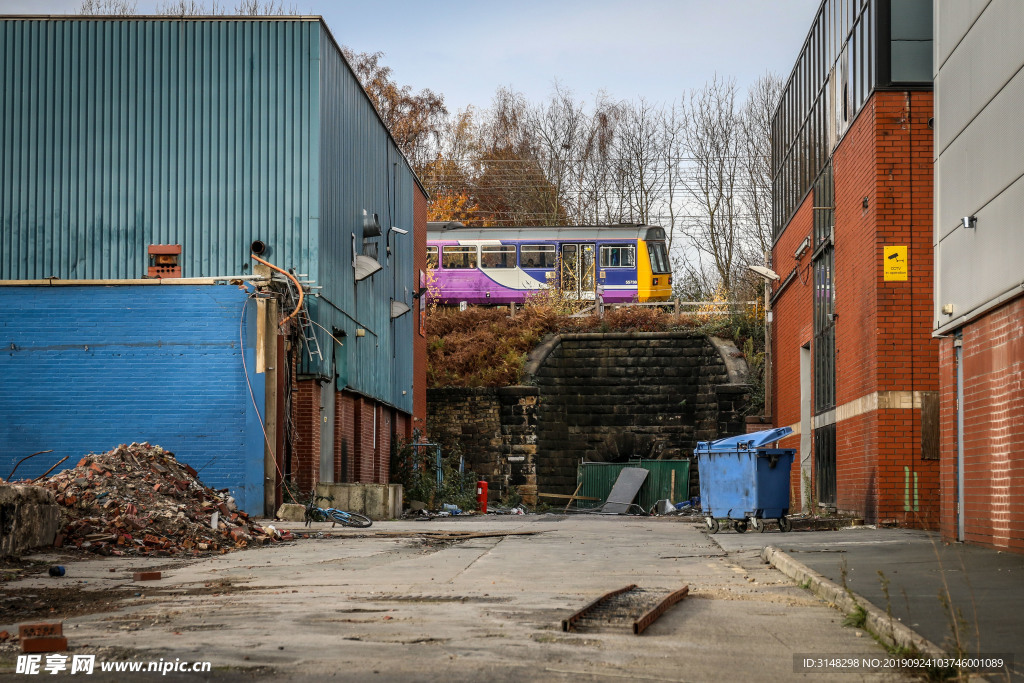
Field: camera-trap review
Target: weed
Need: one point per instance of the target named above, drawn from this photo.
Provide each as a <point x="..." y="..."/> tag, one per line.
<point x="857" y="617"/>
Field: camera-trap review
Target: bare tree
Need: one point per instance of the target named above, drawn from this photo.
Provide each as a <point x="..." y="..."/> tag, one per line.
<point x="642" y="171"/>
<point x="671" y="156"/>
<point x="756" y="166"/>
<point x="712" y="141"/>
<point x="122" y="7"/>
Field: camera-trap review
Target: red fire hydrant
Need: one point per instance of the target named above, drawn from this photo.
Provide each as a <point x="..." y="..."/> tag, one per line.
<point x="481" y="496"/>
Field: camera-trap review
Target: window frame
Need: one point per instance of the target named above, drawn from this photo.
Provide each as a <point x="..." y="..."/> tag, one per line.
<point x="498" y="249"/>
<point x="606" y="249"/>
<point x="470" y="249"/>
<point x="539" y="249"/>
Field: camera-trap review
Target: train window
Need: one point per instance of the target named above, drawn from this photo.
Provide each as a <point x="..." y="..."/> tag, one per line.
<point x="537" y="256"/>
<point x="498" y="256"/>
<point x="659" y="257"/>
<point x="458" y="257"/>
<point x="432" y="257"/>
<point x="616" y="257"/>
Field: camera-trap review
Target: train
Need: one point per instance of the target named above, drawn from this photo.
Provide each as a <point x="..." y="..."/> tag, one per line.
<point x="500" y="266"/>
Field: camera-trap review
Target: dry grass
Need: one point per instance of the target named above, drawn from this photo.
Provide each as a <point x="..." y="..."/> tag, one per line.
<point x="486" y="347"/>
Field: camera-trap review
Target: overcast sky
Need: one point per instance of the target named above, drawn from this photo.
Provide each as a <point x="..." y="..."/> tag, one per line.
<point x="466" y="49"/>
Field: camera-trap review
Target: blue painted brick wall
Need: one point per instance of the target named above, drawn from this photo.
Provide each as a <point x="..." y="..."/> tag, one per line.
<point x="83" y="369"/>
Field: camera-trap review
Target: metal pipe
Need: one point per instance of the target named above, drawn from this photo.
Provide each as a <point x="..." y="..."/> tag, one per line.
<point x="298" y="306"/>
<point x="23" y="460"/>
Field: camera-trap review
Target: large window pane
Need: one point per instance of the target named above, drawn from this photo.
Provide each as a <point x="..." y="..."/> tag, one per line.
<point x="503" y="256"/>
<point x="537" y="256"/>
<point x="458" y="257"/>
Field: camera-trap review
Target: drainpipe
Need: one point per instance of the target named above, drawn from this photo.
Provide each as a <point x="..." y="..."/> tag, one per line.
<point x="958" y="346"/>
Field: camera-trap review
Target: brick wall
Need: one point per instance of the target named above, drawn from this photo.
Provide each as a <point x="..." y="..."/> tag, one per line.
<point x="993" y="369"/>
<point x="87" y="368"/>
<point x="947" y="439"/>
<point x="305" y="460"/>
<point x="418" y="419"/>
<point x="883" y="197"/>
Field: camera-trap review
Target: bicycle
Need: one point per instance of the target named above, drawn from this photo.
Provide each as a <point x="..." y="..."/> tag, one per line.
<point x="315" y="513"/>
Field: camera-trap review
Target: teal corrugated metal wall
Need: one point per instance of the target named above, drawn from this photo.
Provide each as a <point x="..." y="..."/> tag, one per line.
<point x="362" y="169"/>
<point x="121" y="133"/>
<point x="597" y="479"/>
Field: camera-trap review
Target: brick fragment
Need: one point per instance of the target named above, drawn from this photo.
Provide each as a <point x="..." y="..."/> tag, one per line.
<point x="146" y="576"/>
<point x="40" y="630"/>
<point x="48" y="644"/>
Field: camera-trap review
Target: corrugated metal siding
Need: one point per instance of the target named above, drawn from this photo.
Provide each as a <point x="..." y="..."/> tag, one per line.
<point x="362" y="169"/>
<point x="598" y="478"/>
<point x="122" y="133"/>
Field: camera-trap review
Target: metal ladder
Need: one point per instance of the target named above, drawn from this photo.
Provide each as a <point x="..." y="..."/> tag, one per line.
<point x="309" y="338"/>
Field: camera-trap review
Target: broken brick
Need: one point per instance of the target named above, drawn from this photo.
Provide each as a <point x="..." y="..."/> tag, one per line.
<point x="146" y="576"/>
<point x="40" y="630"/>
<point x="49" y="644"/>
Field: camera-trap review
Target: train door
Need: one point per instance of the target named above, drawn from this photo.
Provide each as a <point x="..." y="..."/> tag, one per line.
<point x="577" y="271"/>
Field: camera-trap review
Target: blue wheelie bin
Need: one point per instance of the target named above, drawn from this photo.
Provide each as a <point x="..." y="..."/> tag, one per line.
<point x="743" y="480"/>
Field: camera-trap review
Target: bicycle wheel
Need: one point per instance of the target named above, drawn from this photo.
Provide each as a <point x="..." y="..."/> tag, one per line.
<point x="350" y="519"/>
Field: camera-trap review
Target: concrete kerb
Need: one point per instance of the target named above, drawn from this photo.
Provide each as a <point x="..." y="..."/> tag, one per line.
<point x="893" y="634"/>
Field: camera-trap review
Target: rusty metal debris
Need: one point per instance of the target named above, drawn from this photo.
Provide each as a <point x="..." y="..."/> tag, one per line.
<point x="641" y="624"/>
<point x="628" y="604"/>
<point x="139" y="500"/>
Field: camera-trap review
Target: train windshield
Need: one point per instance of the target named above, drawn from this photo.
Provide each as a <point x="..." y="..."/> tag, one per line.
<point x="659" y="257"/>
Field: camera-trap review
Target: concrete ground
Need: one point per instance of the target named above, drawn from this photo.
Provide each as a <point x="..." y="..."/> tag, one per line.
<point x="386" y="604"/>
<point x="954" y="595"/>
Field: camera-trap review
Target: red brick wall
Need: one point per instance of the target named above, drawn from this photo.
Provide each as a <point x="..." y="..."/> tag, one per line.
<point x="993" y="360"/>
<point x="419" y="363"/>
<point x="305" y="466"/>
<point x="883" y="329"/>
<point x="345" y="436"/>
<point x="792" y="327"/>
<point x="947" y="438"/>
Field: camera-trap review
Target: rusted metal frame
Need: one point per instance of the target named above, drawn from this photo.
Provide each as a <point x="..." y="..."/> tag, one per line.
<point x="568" y="624"/>
<point x="641" y="624"/>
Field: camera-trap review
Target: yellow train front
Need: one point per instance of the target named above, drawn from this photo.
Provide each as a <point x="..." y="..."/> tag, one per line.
<point x="505" y="265"/>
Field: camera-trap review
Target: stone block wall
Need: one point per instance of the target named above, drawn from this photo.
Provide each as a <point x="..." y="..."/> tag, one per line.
<point x="598" y="397"/>
<point x="496" y="428"/>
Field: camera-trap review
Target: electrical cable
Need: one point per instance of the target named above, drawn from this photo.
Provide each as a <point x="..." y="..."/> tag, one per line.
<point x="252" y="394"/>
<point x="298" y="306"/>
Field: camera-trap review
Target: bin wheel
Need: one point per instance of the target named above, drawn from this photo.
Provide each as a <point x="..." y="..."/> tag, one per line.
<point x="758" y="525"/>
<point x="712" y="524"/>
<point x="785" y="525"/>
<point x="740" y="525"/>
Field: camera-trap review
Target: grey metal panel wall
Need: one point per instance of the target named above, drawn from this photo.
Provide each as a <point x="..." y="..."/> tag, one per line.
<point x="362" y="169"/>
<point x="979" y="169"/>
<point x="122" y="133"/>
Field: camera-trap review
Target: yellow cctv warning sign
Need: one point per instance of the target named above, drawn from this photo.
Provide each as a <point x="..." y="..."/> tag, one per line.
<point x="894" y="264"/>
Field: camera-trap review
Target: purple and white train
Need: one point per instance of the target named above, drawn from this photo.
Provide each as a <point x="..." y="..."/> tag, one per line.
<point x="506" y="265"/>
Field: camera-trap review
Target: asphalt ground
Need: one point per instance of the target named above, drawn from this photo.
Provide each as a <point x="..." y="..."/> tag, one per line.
<point x="960" y="597"/>
<point x="398" y="603"/>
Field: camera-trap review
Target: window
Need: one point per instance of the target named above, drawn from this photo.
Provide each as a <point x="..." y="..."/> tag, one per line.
<point x="537" y="256"/>
<point x="659" y="257"/>
<point x="432" y="257"/>
<point x="824" y="293"/>
<point x="618" y="257"/>
<point x="501" y="256"/>
<point x="458" y="257"/>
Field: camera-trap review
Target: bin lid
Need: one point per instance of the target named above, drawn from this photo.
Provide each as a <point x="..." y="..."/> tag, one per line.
<point x="745" y="441"/>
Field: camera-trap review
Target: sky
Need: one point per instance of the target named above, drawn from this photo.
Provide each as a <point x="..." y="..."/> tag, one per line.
<point x="630" y="49"/>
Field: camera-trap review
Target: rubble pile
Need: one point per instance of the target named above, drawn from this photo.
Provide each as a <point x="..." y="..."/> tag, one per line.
<point x="138" y="499"/>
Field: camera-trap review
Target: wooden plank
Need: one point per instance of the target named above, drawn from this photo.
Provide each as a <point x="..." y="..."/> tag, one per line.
<point x="562" y="495"/>
<point x="929" y="425"/>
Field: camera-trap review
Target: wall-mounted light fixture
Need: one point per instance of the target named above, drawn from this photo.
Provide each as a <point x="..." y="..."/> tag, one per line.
<point x="804" y="246"/>
<point x="947" y="309"/>
<point x="969" y="222"/>
<point x="391" y="230"/>
<point x="864" y="203"/>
